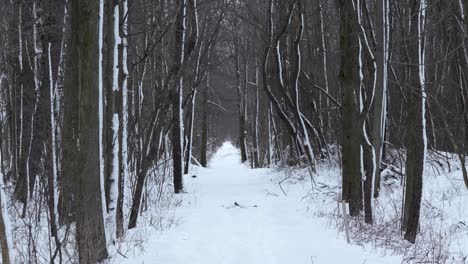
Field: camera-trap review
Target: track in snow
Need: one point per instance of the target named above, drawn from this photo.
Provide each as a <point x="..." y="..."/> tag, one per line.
<point x="267" y="228"/>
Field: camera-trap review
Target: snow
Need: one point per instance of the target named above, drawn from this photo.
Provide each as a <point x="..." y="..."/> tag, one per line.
<point x="101" y="111"/>
<point x="267" y="226"/>
<point x="52" y="124"/>
<point x="422" y="68"/>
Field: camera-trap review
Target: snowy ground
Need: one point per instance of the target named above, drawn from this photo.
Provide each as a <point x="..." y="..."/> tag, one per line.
<point x="268" y="226"/>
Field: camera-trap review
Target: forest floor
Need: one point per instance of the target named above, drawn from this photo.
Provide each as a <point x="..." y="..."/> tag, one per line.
<point x="231" y="214"/>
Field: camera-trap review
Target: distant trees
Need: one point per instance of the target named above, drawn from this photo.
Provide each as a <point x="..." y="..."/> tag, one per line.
<point x="388" y="87"/>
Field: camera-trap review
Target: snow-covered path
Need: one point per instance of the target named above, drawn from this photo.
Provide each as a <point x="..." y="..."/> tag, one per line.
<point x="266" y="228"/>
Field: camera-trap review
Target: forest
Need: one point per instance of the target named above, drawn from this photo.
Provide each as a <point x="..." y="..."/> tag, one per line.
<point x="123" y="116"/>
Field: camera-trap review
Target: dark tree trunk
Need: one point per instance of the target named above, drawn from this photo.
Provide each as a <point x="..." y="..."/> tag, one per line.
<point x="190" y="128"/>
<point x="146" y="163"/>
<point x="176" y="87"/>
<point x="415" y="140"/>
<point x="84" y="82"/>
<point x="204" y="126"/>
<point x="350" y="83"/>
<point x="26" y="106"/>
<point x="110" y="138"/>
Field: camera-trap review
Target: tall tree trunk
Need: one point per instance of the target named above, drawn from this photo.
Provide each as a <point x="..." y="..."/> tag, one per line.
<point x="256" y="145"/>
<point x="85" y="82"/>
<point x="123" y="117"/>
<point x="113" y="100"/>
<point x="462" y="72"/>
<point x="191" y="123"/>
<point x="149" y="155"/>
<point x="240" y="102"/>
<point x="416" y="122"/>
<point x="204" y="126"/>
<point x="70" y="130"/>
<point x="327" y="126"/>
<point x="350" y="85"/>
<point x="369" y="70"/>
<point x="380" y="101"/>
<point x="177" y="90"/>
<point x="26" y="106"/>
<point x="273" y="42"/>
<point x="6" y="235"/>
<point x="296" y="74"/>
<point x="194" y="42"/>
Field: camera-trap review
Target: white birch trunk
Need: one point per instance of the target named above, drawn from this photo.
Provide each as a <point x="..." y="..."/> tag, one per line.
<point x="101" y="116"/>
<point x="380" y="105"/>
<point x="6" y="242"/>
<point x="124" y="88"/>
<point x="114" y="174"/>
<point x="422" y="69"/>
<point x="52" y="123"/>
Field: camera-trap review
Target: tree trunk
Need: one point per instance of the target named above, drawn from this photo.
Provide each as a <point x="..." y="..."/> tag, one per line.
<point x="6" y="242"/>
<point x="240" y="102"/>
<point x="296" y="72"/>
<point x="256" y="145"/>
<point x="177" y="90"/>
<point x="350" y="83"/>
<point x="191" y="123"/>
<point x="25" y="104"/>
<point x="84" y="81"/>
<point x="380" y="101"/>
<point x="112" y="167"/>
<point x="45" y="124"/>
<point x="123" y="117"/>
<point x="150" y="154"/>
<point x="204" y="126"/>
<point x="416" y="124"/>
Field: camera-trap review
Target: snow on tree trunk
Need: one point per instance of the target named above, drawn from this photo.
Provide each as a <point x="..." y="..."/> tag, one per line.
<point x="380" y="103"/>
<point x="6" y="242"/>
<point x="296" y="74"/>
<point x="123" y="173"/>
<point x="204" y="125"/>
<point x="190" y="133"/>
<point x="416" y="138"/>
<point x="54" y="151"/>
<point x="101" y="114"/>
<point x="350" y="84"/>
<point x="368" y="79"/>
<point x="177" y="97"/>
<point x="113" y="142"/>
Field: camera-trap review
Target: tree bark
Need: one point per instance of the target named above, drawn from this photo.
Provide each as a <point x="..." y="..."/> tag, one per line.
<point x="6" y="235"/>
<point x="204" y="126"/>
<point x="350" y="84"/>
<point x="177" y="90"/>
<point x="83" y="75"/>
<point x="416" y="123"/>
<point x="380" y="101"/>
